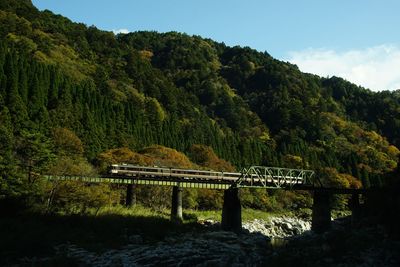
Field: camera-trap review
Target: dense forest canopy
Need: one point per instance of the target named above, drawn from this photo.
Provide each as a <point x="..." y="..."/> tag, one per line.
<point x="101" y="91"/>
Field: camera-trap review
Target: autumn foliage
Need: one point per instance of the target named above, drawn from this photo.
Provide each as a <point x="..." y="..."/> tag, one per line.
<point x="330" y="177"/>
<point x="205" y="156"/>
<point x="66" y="142"/>
<point x="150" y="156"/>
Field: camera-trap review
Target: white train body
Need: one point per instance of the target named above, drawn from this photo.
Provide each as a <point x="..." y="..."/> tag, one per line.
<point x="128" y="170"/>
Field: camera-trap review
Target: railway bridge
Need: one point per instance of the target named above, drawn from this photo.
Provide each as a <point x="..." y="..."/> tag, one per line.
<point x="230" y="182"/>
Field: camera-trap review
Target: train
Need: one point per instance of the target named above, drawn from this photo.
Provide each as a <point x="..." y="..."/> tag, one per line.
<point x="275" y="176"/>
<point x="141" y="171"/>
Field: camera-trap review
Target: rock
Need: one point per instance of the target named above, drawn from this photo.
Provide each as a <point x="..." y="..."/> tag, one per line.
<point x="209" y="222"/>
<point x="214" y="248"/>
<point x="204" y="248"/>
<point x="278" y="226"/>
<point x="287" y="226"/>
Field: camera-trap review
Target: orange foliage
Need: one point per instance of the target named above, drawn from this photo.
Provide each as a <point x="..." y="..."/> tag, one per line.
<point x="166" y="157"/>
<point x="149" y="156"/>
<point x="353" y="182"/>
<point x="124" y="155"/>
<point x="206" y="157"/>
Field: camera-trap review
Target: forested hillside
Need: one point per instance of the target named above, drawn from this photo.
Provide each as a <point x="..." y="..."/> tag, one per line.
<point x="100" y="92"/>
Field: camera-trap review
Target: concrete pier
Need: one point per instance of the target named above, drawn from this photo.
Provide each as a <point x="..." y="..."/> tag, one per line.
<point x="130" y="195"/>
<point x="321" y="212"/>
<point x="176" y="207"/>
<point x="231" y="211"/>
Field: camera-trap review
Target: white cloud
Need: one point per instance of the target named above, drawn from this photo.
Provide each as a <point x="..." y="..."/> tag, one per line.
<point x="123" y="31"/>
<point x="376" y="68"/>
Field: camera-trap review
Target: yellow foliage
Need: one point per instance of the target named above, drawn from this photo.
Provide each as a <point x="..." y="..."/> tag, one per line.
<point x="23" y="42"/>
<point x="347" y="137"/>
<point x="352" y="181"/>
<point x="67" y="142"/>
<point x="74" y="197"/>
<point x="70" y="62"/>
<point x="231" y="92"/>
<point x="373" y="136"/>
<point x="72" y="166"/>
<point x="40" y="56"/>
<point x="331" y="178"/>
<point x="293" y="161"/>
<point x="154" y="110"/>
<point x="264" y="137"/>
<point x="393" y="151"/>
<point x="135" y="95"/>
<point x="146" y="54"/>
<point x="44" y="38"/>
<point x="338" y="123"/>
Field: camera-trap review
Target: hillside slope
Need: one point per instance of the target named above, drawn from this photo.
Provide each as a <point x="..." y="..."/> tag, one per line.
<point x="176" y="90"/>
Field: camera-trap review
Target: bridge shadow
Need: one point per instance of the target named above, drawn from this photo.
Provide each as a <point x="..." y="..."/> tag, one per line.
<point x="36" y="235"/>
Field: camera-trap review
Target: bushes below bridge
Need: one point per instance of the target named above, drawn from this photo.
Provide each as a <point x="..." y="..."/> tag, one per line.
<point x="77" y="197"/>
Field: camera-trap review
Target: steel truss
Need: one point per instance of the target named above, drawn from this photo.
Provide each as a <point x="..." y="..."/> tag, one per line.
<point x="275" y="177"/>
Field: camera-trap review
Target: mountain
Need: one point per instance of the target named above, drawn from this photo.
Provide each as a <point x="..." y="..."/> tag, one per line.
<point x="171" y="89"/>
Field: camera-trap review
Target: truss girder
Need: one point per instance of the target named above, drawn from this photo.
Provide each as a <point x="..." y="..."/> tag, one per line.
<point x="260" y="176"/>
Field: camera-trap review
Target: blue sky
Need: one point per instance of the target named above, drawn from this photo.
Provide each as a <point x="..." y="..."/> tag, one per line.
<point x="355" y="39"/>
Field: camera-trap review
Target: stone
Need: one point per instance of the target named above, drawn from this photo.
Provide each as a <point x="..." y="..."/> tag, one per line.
<point x="209" y="222"/>
<point x="287" y="226"/>
<point x="202" y="248"/>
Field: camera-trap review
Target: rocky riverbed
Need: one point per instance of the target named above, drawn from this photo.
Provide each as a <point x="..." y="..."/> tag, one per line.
<point x="207" y="247"/>
<point x="254" y="246"/>
<point x="278" y="227"/>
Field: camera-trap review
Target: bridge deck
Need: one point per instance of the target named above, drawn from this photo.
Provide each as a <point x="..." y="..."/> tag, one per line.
<point x="162" y="181"/>
<point x="255" y="176"/>
<point x="131" y="174"/>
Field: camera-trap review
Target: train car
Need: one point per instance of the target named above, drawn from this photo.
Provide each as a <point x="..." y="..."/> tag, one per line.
<point x="278" y="177"/>
<point x="136" y="171"/>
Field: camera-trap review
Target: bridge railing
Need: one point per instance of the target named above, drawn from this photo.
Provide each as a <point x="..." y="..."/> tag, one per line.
<point x="275" y="177"/>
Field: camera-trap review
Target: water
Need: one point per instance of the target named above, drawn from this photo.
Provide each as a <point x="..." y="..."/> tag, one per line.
<point x="277" y="242"/>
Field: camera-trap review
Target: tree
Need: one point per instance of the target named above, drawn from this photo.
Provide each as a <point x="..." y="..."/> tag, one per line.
<point x="205" y="156"/>
<point x="66" y="142"/>
<point x="365" y="178"/>
<point x="155" y="113"/>
<point x="10" y="182"/>
<point x="35" y="153"/>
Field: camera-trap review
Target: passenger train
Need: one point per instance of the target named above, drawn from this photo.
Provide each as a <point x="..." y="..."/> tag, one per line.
<point x="129" y="170"/>
<point x="140" y="171"/>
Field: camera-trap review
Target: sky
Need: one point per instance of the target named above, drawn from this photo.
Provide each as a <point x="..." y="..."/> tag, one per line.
<point x="358" y="40"/>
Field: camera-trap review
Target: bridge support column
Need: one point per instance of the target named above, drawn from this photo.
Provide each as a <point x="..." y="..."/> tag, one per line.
<point x="354" y="205"/>
<point x="321" y="212"/>
<point x="176" y="207"/>
<point x="231" y="211"/>
<point x="130" y="195"/>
